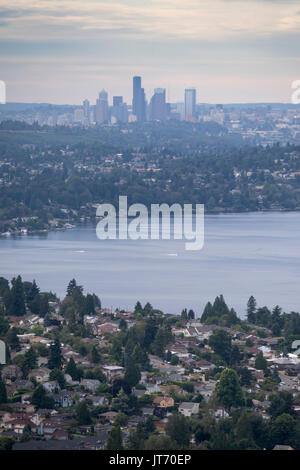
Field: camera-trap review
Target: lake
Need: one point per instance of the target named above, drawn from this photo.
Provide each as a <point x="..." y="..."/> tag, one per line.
<point x="244" y="254"/>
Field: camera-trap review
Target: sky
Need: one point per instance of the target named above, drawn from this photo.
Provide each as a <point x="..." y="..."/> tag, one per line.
<point x="231" y="51"/>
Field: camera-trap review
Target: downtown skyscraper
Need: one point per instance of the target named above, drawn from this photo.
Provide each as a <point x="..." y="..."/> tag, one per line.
<point x="189" y="104"/>
<point x="158" y="106"/>
<point x="102" y="112"/>
<point x="138" y="100"/>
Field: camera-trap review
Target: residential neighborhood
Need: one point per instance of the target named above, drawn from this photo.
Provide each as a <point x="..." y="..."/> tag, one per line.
<point x="81" y="376"/>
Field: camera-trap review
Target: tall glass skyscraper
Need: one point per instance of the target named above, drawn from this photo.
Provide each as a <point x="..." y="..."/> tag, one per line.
<point x="158" y="105"/>
<point x="189" y="104"/>
<point x="138" y="100"/>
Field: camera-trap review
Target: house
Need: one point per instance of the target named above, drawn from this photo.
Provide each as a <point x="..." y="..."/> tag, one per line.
<point x="107" y="328"/>
<point x="112" y="371"/>
<point x="152" y="388"/>
<point x="188" y="408"/>
<point x="147" y="411"/>
<point x="10" y="372"/>
<point x="282" y="447"/>
<point x="204" y="365"/>
<point x="138" y="392"/>
<point x="98" y="400"/>
<point x="41" y="375"/>
<point x="63" y="399"/>
<point x="51" y="386"/>
<point x="163" y="402"/>
<point x="109" y="416"/>
<point x="90" y="384"/>
<point x="221" y="414"/>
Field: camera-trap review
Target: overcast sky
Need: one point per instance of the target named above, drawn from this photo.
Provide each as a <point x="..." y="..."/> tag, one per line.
<point x="62" y="51"/>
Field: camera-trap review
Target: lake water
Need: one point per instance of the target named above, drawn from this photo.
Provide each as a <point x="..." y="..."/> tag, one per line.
<point x="244" y="254"/>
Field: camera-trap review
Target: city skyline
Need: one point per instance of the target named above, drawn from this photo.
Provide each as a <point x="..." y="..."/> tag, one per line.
<point x="66" y="51"/>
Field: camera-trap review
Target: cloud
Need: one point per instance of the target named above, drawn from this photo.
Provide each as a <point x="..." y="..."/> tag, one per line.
<point x="167" y="19"/>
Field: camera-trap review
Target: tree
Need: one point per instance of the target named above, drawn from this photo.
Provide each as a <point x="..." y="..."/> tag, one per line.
<point x="284" y="431"/>
<point x="191" y="315"/>
<point x="40" y="399"/>
<point x="260" y="362"/>
<point x="3" y="395"/>
<point x="178" y="429"/>
<point x="228" y="390"/>
<point x="71" y="287"/>
<point x="220" y="341"/>
<point x="245" y="376"/>
<point x="32" y="291"/>
<point x="132" y="373"/>
<point x="281" y="403"/>
<point x="82" y="414"/>
<point x="160" y="443"/>
<point x="123" y="324"/>
<point x="55" y="356"/>
<point x="235" y="355"/>
<point x="4" y="325"/>
<point x="29" y="362"/>
<point x="184" y="314"/>
<point x="139" y="356"/>
<point x="207" y="313"/>
<point x="12" y="339"/>
<point x="17" y="298"/>
<point x="95" y="355"/>
<point x="138" y="308"/>
<point x="44" y="305"/>
<point x="57" y="375"/>
<point x="114" y="440"/>
<point x="251" y="309"/>
<point x="72" y="370"/>
<point x="89" y="307"/>
<point x="162" y="338"/>
<point x="251" y="427"/>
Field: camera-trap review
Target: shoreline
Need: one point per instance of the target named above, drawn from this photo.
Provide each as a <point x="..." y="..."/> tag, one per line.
<point x="76" y="223"/>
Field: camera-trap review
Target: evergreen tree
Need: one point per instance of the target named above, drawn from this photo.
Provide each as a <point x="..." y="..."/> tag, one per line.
<point x="40" y="399"/>
<point x="220" y="341"/>
<point x="132" y="374"/>
<point x="32" y="292"/>
<point x="114" y="440"/>
<point x="228" y="390"/>
<point x="138" y="308"/>
<point x="251" y="309"/>
<point x="17" y="298"/>
<point x="139" y="356"/>
<point x="89" y="307"/>
<point x="191" y="315"/>
<point x="184" y="314"/>
<point x="30" y="362"/>
<point x="207" y="313"/>
<point x="260" y="362"/>
<point x="82" y="413"/>
<point x="55" y="356"/>
<point x="44" y="306"/>
<point x="3" y="395"/>
<point x="95" y="355"/>
<point x="123" y="324"/>
<point x="57" y="375"/>
<point x="178" y="429"/>
<point x="12" y="339"/>
<point x="72" y="370"/>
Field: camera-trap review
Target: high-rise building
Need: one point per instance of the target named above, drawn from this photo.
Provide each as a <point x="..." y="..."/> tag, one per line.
<point x="86" y="112"/>
<point x="158" y="106"/>
<point x="119" y="111"/>
<point x="190" y="104"/>
<point x="102" y="107"/>
<point x="117" y="100"/>
<point x="138" y="100"/>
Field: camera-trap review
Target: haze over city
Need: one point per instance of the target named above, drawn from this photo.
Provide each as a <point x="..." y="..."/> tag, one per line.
<point x="230" y="51"/>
